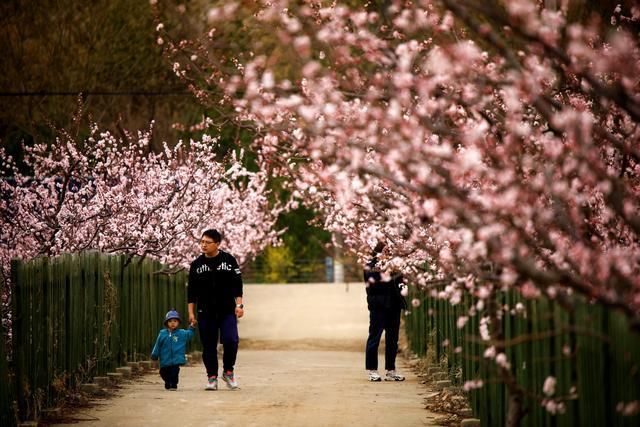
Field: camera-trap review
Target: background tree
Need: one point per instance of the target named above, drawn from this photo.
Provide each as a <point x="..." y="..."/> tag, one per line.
<point x="108" y="194"/>
<point x="107" y="50"/>
<point x="112" y="195"/>
<point x="111" y="53"/>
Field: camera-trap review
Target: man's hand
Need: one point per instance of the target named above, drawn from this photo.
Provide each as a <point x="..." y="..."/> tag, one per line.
<point x="192" y="316"/>
<point x="239" y="312"/>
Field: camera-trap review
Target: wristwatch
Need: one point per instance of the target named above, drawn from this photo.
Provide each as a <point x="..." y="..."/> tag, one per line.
<point x="239" y="305"/>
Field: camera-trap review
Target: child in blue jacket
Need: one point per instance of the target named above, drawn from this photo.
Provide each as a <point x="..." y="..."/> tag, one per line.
<point x="170" y="348"/>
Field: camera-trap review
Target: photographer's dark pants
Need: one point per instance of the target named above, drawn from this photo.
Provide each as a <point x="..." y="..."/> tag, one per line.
<point x="211" y="327"/>
<point x="387" y="320"/>
<point x="170" y="376"/>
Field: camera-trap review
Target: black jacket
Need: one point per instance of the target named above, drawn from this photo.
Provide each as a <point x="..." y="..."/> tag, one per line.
<point x="214" y="283"/>
<point x="383" y="294"/>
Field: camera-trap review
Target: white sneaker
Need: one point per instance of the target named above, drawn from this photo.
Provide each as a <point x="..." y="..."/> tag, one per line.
<point x="393" y="376"/>
<point x="374" y="376"/>
<point x="212" y="384"/>
<point x="230" y="379"/>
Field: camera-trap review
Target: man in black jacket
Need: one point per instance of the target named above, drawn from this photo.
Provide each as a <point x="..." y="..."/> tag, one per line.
<point x="385" y="304"/>
<point x="215" y="291"/>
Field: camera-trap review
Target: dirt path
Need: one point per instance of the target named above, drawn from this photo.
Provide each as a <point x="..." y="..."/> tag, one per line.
<point x="300" y="364"/>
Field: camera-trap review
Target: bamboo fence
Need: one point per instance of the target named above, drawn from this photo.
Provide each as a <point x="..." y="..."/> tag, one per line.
<point x="77" y="316"/>
<point x="591" y="351"/>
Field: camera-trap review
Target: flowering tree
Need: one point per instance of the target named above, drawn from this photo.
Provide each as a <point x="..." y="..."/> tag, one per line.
<point x="498" y="143"/>
<point x="109" y="195"/>
<point x="114" y="196"/>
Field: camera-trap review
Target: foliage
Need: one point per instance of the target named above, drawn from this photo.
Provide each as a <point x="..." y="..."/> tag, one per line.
<point x="303" y="246"/>
<point x="65" y="47"/>
<point x="277" y="262"/>
<point x="108" y="194"/>
<point x="112" y="195"/>
<point x="498" y="142"/>
<point x="301" y="236"/>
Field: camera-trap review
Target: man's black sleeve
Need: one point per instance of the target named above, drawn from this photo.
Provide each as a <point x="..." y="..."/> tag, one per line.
<point x="191" y="287"/>
<point x="399" y="279"/>
<point x="237" y="278"/>
<point x="371" y="274"/>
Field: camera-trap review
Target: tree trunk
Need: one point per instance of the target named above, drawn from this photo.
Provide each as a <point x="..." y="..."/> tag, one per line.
<point x="515" y="410"/>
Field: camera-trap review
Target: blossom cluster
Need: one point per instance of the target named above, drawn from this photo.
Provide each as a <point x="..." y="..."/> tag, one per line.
<point x="115" y="196"/>
<point x="457" y="154"/>
<point x="488" y="154"/>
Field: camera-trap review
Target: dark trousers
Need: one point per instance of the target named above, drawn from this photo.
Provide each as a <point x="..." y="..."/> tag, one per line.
<point x="387" y="320"/>
<point x="170" y="376"/>
<point x="211" y="327"/>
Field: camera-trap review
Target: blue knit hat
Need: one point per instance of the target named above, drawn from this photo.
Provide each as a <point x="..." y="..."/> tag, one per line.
<point x="172" y="314"/>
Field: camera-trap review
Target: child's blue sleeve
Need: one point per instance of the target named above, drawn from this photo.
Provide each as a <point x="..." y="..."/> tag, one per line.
<point x="189" y="332"/>
<point x="155" y="353"/>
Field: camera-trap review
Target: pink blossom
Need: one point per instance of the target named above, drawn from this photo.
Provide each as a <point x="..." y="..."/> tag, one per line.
<point x="553" y="406"/>
<point x="463" y="159"/>
<point x="472" y="385"/>
<point x="549" y="387"/>
<point x="528" y="290"/>
<point x="490" y="352"/>
<point x="628" y="409"/>
<point x="501" y="360"/>
<point x="484" y="329"/>
<point x="120" y="200"/>
<point x="462" y="321"/>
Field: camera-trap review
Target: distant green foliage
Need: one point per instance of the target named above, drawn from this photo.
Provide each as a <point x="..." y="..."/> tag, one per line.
<point x="72" y="46"/>
<point x="301" y="257"/>
<point x="277" y="263"/>
<point x="305" y="241"/>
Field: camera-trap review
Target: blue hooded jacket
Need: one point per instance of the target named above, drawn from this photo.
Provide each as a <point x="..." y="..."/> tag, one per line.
<point x="171" y="346"/>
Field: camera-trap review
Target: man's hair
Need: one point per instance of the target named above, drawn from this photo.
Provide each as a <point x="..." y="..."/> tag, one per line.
<point x="378" y="248"/>
<point x="213" y="234"/>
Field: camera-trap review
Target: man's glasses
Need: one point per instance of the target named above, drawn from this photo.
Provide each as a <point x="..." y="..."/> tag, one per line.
<point x="206" y="242"/>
